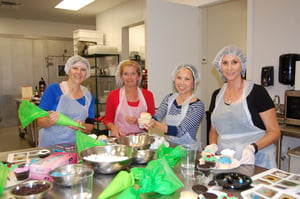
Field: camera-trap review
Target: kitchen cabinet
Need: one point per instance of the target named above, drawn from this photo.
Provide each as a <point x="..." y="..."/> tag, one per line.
<point x="100" y="83"/>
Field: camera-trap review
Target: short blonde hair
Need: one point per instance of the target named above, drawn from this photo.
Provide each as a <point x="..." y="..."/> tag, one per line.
<point x="120" y="69"/>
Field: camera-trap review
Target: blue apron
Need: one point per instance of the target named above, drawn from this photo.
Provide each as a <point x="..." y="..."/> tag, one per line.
<point x="69" y="106"/>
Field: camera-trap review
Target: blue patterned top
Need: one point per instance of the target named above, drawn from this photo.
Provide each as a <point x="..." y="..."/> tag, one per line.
<point x="189" y="124"/>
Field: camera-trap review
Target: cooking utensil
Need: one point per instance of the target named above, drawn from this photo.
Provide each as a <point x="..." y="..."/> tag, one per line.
<point x="109" y="164"/>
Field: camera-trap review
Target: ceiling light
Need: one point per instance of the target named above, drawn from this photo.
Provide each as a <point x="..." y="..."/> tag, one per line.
<point x="198" y="3"/>
<point x="73" y="4"/>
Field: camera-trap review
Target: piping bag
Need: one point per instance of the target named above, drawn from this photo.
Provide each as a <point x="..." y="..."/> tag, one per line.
<point x="28" y="112"/>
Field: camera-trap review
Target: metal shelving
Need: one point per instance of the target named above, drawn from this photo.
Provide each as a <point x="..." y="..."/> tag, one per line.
<point x="100" y="83"/>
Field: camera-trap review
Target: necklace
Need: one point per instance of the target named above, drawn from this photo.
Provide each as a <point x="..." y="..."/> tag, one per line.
<point x="233" y="95"/>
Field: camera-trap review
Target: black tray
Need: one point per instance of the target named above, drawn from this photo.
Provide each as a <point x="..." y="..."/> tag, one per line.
<point x="233" y="180"/>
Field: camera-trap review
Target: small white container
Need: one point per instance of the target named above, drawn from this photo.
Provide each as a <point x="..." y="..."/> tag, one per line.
<point x="294" y="160"/>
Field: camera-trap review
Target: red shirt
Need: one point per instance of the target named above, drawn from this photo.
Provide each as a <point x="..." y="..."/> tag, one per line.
<point x="113" y="102"/>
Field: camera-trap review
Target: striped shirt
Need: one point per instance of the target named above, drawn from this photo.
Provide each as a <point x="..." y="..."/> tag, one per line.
<point x="189" y="124"/>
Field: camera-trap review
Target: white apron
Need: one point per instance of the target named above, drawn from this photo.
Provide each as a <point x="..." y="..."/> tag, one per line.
<point x="70" y="107"/>
<point x="236" y="130"/>
<point x="175" y="120"/>
<point x="124" y="110"/>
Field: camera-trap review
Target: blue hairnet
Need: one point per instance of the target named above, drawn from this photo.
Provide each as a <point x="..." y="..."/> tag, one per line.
<point x="230" y="50"/>
<point x="192" y="68"/>
<point x="75" y="59"/>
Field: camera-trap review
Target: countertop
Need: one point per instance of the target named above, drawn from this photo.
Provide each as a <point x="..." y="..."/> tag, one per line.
<point x="101" y="181"/>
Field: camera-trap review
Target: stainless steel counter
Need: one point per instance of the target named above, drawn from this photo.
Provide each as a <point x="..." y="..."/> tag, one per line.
<point x="101" y="181"/>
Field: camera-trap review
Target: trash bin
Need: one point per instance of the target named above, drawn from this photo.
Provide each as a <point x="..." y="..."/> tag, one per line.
<point x="294" y="162"/>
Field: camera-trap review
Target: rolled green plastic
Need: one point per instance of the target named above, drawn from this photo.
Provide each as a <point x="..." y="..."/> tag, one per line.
<point x="28" y="112"/>
<point x="66" y="121"/>
<point x="122" y="181"/>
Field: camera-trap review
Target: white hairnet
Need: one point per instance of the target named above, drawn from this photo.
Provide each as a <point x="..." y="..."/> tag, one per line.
<point x="121" y="65"/>
<point x="75" y="59"/>
<point x="230" y="50"/>
<point x="192" y="68"/>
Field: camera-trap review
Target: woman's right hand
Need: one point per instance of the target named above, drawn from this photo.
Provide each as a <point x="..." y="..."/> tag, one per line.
<point x="52" y="118"/>
<point x="114" y="131"/>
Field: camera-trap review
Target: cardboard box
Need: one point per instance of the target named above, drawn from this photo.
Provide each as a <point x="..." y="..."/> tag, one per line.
<point x="40" y="169"/>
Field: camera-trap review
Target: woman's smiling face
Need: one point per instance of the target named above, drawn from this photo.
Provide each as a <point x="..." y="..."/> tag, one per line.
<point x="231" y="67"/>
<point x="184" y="81"/>
<point x="78" y="72"/>
<point x="130" y="76"/>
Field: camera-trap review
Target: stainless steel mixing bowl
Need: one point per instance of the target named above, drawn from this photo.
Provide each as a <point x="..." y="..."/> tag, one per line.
<point x="143" y="156"/>
<point x="109" y="164"/>
<point x="139" y="141"/>
<point x="63" y="175"/>
<point x="32" y="189"/>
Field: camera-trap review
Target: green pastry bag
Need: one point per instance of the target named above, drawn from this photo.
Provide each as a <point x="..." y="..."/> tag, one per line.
<point x="160" y="178"/>
<point x="121" y="181"/>
<point x="28" y="112"/>
<point x="83" y="141"/>
<point x="66" y="121"/>
<point x="3" y="176"/>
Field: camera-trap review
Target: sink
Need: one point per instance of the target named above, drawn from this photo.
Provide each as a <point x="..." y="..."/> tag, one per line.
<point x="280" y="118"/>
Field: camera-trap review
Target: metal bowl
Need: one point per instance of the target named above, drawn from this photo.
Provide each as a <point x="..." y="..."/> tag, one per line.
<point x="63" y="175"/>
<point x="143" y="156"/>
<point x="108" y="165"/>
<point x="32" y="189"/>
<point x="139" y="141"/>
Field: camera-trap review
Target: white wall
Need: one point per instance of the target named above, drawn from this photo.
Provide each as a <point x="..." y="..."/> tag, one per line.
<point x="172" y="38"/>
<point x="35" y="28"/>
<point x="137" y="40"/>
<point x="112" y="21"/>
<point x="273" y="29"/>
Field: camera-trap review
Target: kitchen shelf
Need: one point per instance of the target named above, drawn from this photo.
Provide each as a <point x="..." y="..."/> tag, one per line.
<point x="100" y="84"/>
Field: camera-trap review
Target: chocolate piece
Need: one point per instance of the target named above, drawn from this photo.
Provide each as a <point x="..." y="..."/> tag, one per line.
<point x="209" y="195"/>
<point x="28" y="190"/>
<point x="198" y="188"/>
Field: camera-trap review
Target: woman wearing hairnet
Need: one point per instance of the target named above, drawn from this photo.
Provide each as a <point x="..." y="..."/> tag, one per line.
<point x="70" y="98"/>
<point x="182" y="110"/>
<point x="243" y="117"/>
<point x="125" y="104"/>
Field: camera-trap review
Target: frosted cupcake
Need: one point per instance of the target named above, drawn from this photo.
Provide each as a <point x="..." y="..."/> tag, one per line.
<point x="224" y="162"/>
<point x="22" y="173"/>
<point x="228" y="152"/>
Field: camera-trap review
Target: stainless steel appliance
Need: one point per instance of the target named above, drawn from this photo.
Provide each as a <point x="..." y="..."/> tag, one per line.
<point x="292" y="107"/>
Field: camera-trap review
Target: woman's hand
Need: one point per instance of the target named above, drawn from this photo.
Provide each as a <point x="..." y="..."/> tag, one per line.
<point x="78" y="128"/>
<point x="52" y="118"/>
<point x="131" y="119"/>
<point x="248" y="155"/>
<point x="150" y="125"/>
<point x="49" y="120"/>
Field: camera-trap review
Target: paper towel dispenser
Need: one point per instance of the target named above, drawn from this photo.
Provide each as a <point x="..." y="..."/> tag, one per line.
<point x="267" y="76"/>
<point x="286" y="74"/>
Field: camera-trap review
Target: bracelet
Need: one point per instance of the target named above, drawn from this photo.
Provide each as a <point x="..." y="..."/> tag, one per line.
<point x="255" y="147"/>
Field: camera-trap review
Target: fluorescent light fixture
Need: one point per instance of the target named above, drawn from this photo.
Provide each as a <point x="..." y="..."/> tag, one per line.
<point x="198" y="3"/>
<point x="73" y="4"/>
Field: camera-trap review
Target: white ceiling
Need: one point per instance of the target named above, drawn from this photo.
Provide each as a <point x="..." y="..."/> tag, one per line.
<point x="44" y="10"/>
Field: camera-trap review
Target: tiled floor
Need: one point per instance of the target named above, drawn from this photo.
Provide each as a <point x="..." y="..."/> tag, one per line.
<point x="10" y="139"/>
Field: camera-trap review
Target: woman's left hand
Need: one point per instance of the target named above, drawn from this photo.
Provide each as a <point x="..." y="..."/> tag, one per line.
<point x="248" y="155"/>
<point x="149" y="125"/>
<point x="77" y="128"/>
<point x="131" y="119"/>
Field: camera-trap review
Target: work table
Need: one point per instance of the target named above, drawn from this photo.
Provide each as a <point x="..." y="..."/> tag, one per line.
<point x="102" y="181"/>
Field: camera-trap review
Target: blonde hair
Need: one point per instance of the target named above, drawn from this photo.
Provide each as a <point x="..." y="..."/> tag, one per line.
<point x="120" y="69"/>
